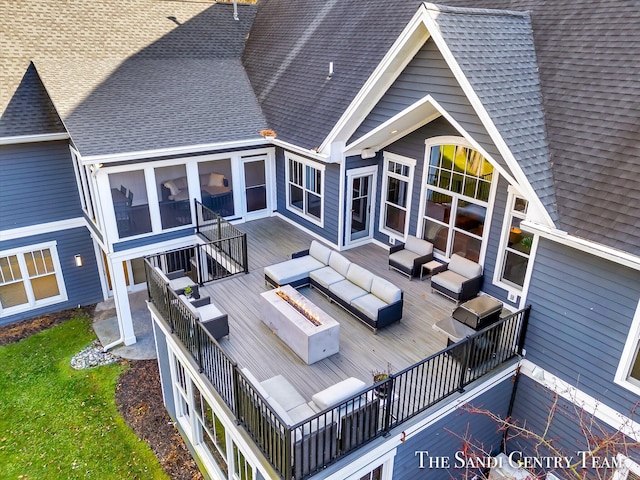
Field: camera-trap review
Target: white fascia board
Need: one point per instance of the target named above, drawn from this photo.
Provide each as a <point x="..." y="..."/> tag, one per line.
<point x="581" y="399"/>
<point x="162" y="152"/>
<point x="393" y="63"/>
<point x="325" y="158"/>
<point x="44" y="137"/>
<point x="39" y="229"/>
<point x="584" y="245"/>
<point x="420" y="113"/>
<point x="522" y="181"/>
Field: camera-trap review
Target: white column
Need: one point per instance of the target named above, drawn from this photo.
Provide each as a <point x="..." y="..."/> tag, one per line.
<point x="121" y="297"/>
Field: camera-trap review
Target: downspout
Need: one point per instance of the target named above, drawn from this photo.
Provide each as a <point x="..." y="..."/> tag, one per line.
<point x="235" y="10"/>
<point x="515" y="379"/>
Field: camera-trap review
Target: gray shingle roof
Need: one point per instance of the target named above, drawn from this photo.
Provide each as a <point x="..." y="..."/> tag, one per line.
<point x="587" y="54"/>
<point x="496" y="53"/>
<point x="30" y="111"/>
<point x="288" y="53"/>
<point x="137" y="75"/>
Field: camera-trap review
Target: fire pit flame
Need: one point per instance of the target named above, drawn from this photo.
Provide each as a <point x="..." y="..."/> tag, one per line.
<point x="300" y="307"/>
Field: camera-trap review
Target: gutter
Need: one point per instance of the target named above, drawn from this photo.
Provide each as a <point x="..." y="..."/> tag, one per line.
<point x="44" y="137"/>
<point x="587" y="246"/>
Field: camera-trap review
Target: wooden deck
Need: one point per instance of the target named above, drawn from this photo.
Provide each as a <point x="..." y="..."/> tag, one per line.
<point x="251" y="344"/>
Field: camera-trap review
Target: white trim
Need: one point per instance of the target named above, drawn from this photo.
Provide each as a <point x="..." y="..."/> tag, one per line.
<point x="41" y="228"/>
<point x="313" y="154"/>
<point x="587" y="246"/>
<point x="371" y="170"/>
<point x="173" y="151"/>
<point x="43" y="137"/>
<point x="233" y="433"/>
<point x="628" y="355"/>
<point x="627" y="466"/>
<point x="366" y="463"/>
<point x="305" y="163"/>
<point x="408" y="43"/>
<point x="25" y="279"/>
<point x="153" y="248"/>
<point x="424" y="186"/>
<point x="581" y="399"/>
<point x="502" y="249"/>
<point x="411" y="163"/>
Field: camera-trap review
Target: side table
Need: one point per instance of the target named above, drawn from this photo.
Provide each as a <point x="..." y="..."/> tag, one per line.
<point x="431" y="268"/>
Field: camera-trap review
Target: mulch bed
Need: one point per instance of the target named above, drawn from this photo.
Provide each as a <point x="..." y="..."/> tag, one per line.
<point x="138" y="398"/>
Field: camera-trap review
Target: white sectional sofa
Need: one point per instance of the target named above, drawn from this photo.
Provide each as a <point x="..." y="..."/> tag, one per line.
<point x="372" y="299"/>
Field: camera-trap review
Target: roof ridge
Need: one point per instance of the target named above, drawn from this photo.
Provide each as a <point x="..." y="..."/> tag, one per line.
<point x="473" y="11"/>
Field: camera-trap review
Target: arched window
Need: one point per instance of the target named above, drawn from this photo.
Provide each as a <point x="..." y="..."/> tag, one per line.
<point x="455" y="197"/>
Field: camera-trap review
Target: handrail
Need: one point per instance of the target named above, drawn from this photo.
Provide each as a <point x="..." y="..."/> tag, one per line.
<point x="303" y="449"/>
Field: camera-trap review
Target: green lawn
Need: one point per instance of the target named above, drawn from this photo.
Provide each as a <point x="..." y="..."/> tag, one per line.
<point x="56" y="422"/>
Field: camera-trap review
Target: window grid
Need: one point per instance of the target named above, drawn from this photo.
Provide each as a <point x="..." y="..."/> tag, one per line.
<point x="212" y="430"/>
<point x="397" y="197"/>
<point x="29" y="279"/>
<point x="518" y="248"/>
<point x="305" y="189"/>
<point x="242" y="469"/>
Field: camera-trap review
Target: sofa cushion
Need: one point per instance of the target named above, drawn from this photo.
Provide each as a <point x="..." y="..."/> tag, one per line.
<point x="173" y="188"/>
<point x="325" y="276"/>
<point x="450" y="280"/>
<point x="346" y="291"/>
<point x="320" y="252"/>
<point x="280" y="411"/>
<point x="403" y="258"/>
<point x="464" y="267"/>
<point x="216" y="180"/>
<point x="418" y="246"/>
<point x="338" y="393"/>
<point x="385" y="290"/>
<point x="369" y="305"/>
<point x="281" y="391"/>
<point x="300" y="413"/>
<point x="360" y="276"/>
<point x="339" y="263"/>
<point x="292" y="270"/>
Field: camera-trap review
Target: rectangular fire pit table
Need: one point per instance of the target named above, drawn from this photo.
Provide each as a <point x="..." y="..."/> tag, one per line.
<point x="310" y="342"/>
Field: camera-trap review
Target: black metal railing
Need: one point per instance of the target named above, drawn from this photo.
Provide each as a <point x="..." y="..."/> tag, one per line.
<point x="301" y="450"/>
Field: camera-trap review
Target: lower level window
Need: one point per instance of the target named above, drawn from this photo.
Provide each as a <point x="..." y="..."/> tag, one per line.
<point x="30" y="277"/>
<point x="242" y="469"/>
<point x="375" y="474"/>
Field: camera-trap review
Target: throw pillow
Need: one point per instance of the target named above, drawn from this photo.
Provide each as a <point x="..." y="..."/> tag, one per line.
<point x="216" y="180"/>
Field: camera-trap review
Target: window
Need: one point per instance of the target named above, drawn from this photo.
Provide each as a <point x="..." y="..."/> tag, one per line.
<point x="30" y="277"/>
<point x="211" y="430"/>
<point x="305" y="187"/>
<point x="628" y="372"/>
<point x="242" y="470"/>
<point x="182" y="384"/>
<point x="216" y="186"/>
<point x="455" y="199"/>
<point x="375" y="474"/>
<point x="396" y="190"/>
<point x="173" y="195"/>
<point x="517" y="244"/>
<point x="130" y="202"/>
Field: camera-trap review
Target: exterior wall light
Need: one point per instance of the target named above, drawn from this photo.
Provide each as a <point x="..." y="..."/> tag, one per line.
<point x="78" y="259"/>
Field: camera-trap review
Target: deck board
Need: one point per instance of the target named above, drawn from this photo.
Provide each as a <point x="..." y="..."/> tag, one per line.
<point x="251" y="344"/>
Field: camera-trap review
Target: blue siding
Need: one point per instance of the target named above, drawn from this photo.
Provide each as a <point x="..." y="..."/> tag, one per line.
<point x="582" y="309"/>
<point x="428" y="73"/>
<point x="153" y="239"/>
<point x="331" y="199"/>
<point x="412" y="146"/>
<point x="37" y="185"/>
<point x="82" y="283"/>
<point x="444" y="438"/>
<point x="164" y="369"/>
<point x="532" y="405"/>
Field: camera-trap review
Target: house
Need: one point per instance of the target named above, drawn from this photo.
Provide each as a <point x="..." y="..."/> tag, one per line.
<point x="493" y="129"/>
